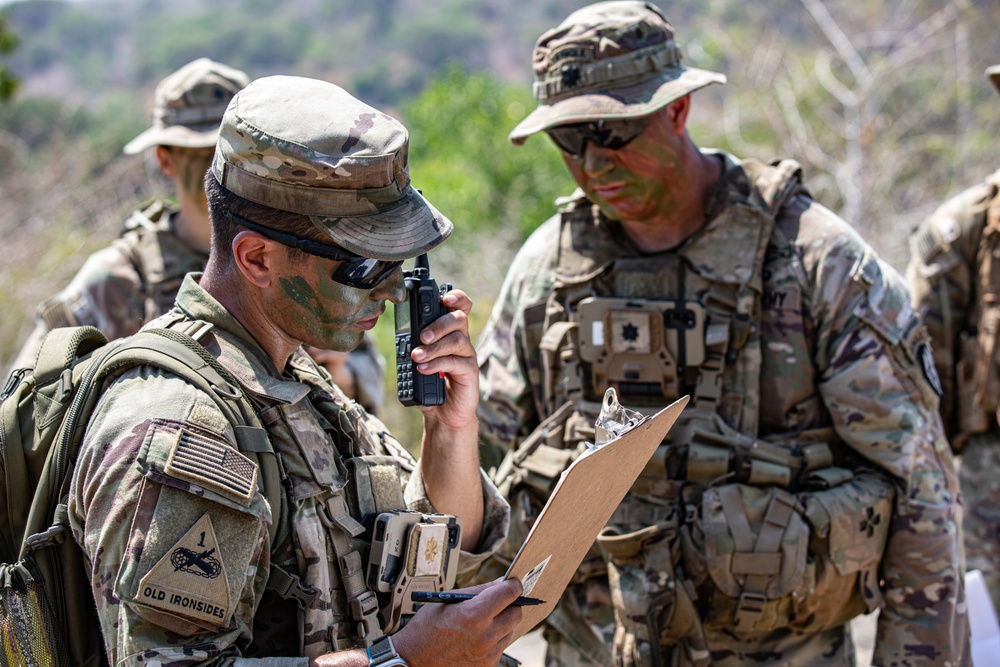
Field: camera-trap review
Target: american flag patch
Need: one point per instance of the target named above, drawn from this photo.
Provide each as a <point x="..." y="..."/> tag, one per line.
<point x="212" y="464"/>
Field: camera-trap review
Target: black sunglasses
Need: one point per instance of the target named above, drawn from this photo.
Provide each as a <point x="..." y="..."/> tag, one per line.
<point x="614" y="134"/>
<point x="354" y="270"/>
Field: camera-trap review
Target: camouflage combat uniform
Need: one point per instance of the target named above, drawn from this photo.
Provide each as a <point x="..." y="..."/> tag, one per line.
<point x="136" y="278"/>
<point x="160" y="530"/>
<point x="824" y="370"/>
<point x="955" y="279"/>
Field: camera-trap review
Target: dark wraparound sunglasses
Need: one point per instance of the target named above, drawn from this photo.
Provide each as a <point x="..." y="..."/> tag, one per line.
<point x="354" y="270"/>
<point x="614" y="134"/>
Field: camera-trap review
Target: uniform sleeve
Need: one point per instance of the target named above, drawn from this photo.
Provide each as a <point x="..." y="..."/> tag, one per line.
<point x="940" y="276"/>
<point x="172" y="527"/>
<point x="877" y="381"/>
<point x="509" y="375"/>
<point x="105" y="293"/>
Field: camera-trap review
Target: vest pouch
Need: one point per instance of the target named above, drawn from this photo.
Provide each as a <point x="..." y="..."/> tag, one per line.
<point x="850" y="527"/>
<point x="542" y="468"/>
<point x="971" y="418"/>
<point x="752" y="542"/>
<point x="652" y="611"/>
<point x="374" y="485"/>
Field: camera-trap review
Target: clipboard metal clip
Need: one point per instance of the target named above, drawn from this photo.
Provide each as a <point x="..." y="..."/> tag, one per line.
<point x="614" y="420"/>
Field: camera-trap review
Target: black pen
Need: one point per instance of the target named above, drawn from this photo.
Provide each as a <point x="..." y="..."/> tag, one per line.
<point x="448" y="598"/>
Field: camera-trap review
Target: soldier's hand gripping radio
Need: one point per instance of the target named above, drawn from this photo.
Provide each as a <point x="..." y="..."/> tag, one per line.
<point x="411" y="551"/>
<point x="422" y="307"/>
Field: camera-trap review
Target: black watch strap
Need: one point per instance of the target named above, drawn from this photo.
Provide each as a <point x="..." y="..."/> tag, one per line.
<point x="383" y="654"/>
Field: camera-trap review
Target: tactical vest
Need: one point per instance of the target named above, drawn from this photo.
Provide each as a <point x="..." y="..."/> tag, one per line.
<point x="159" y="256"/>
<point x="977" y="371"/>
<point x="722" y="529"/>
<point x="986" y="381"/>
<point x="319" y="551"/>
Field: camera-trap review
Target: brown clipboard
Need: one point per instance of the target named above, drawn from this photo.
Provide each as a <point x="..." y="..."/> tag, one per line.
<point x="585" y="497"/>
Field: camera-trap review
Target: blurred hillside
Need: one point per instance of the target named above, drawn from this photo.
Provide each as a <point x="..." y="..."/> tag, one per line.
<point x="884" y="103"/>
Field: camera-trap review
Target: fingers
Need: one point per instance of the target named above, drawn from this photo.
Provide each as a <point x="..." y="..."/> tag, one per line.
<point x="445" y="344"/>
<point x="472" y="633"/>
<point x="499" y="594"/>
<point x="457" y="300"/>
<point x="459" y="306"/>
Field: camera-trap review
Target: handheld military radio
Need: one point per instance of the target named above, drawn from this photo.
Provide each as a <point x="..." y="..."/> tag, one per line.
<point x="422" y="306"/>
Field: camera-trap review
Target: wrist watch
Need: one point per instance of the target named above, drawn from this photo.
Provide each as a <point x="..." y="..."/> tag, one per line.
<point x="383" y="654"/>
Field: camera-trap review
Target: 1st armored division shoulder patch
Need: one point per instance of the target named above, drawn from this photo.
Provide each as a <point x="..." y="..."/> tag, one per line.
<point x="190" y="580"/>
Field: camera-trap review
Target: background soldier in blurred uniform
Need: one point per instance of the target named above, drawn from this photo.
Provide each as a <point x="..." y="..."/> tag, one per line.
<point x="954" y="274"/>
<point x="137" y="276"/>
<point x="809" y="480"/>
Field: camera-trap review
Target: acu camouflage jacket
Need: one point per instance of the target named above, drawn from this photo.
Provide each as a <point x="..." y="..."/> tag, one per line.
<point x="841" y="348"/>
<point x="176" y="534"/>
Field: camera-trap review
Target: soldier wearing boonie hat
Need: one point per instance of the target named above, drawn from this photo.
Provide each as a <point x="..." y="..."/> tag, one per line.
<point x="313" y="212"/>
<point x="188" y="105"/>
<point x="136" y="278"/>
<point x="675" y="270"/>
<point x="610" y="60"/>
<point x="954" y="279"/>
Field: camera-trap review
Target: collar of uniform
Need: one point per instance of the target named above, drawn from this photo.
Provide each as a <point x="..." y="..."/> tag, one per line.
<point x="733" y="186"/>
<point x="237" y="349"/>
<point x="724" y="249"/>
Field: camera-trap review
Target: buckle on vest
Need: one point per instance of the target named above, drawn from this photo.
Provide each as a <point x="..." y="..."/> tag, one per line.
<point x="12" y="381"/>
<point x="51" y="537"/>
<point x="304" y="596"/>
<point x="364" y="609"/>
<point x="334" y="515"/>
<point x="749" y="610"/>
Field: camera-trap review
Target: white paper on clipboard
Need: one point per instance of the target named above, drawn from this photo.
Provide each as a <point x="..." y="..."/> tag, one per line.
<point x="583" y="501"/>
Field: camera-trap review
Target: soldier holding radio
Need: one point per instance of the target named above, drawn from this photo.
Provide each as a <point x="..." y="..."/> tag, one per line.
<point x="200" y="555"/>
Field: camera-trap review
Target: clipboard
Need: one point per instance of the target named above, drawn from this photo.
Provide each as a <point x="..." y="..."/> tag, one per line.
<point x="583" y="501"/>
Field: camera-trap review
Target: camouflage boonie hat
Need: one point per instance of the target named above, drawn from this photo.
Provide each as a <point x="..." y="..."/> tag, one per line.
<point x="608" y="60"/>
<point x="308" y="147"/>
<point x="188" y="106"/>
<point x="994" y="74"/>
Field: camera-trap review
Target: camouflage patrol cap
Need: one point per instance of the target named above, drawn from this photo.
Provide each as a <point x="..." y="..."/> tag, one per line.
<point x="994" y="74"/>
<point x="308" y="147"/>
<point x="188" y="106"/>
<point x="608" y="60"/>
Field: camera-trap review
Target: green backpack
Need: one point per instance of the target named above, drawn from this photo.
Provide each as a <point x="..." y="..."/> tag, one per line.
<point x="47" y="614"/>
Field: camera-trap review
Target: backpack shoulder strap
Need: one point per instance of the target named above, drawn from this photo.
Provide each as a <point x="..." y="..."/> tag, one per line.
<point x="181" y="356"/>
<point x="185" y="357"/>
<point x="61" y="347"/>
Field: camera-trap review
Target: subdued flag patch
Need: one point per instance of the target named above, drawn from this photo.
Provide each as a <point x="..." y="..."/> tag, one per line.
<point x="190" y="580"/>
<point x="214" y="464"/>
